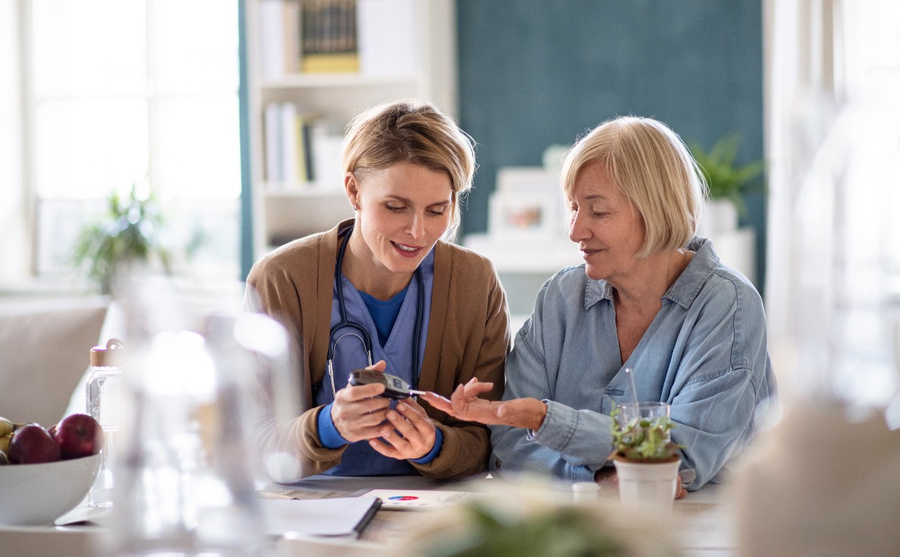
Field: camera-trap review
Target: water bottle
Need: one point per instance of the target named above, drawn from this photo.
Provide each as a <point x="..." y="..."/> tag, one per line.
<point x="103" y="391"/>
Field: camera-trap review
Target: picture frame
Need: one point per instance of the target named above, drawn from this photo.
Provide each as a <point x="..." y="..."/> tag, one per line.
<point x="526" y="204"/>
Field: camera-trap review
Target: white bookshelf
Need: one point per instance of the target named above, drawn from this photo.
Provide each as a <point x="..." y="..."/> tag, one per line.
<point x="425" y="30"/>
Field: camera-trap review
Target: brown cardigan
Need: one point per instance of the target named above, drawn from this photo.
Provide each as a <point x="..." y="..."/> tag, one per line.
<point x="468" y="336"/>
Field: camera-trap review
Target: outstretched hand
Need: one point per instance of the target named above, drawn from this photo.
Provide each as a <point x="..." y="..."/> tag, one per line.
<point x="464" y="404"/>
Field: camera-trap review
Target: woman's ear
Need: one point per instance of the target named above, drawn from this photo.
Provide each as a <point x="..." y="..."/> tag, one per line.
<point x="351" y="188"/>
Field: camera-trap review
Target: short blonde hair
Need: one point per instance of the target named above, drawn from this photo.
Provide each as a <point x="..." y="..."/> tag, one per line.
<point x="414" y="132"/>
<point x="653" y="168"/>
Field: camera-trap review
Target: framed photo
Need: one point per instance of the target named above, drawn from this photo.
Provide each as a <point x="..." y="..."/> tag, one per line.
<point x="524" y="214"/>
<point x="527" y="203"/>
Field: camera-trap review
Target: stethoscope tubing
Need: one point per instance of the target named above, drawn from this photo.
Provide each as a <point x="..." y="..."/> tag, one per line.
<point x="359" y="331"/>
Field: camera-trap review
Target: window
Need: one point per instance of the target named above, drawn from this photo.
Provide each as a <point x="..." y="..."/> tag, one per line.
<point x="141" y="92"/>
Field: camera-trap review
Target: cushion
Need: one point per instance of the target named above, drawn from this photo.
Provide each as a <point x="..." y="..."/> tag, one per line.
<point x="45" y="347"/>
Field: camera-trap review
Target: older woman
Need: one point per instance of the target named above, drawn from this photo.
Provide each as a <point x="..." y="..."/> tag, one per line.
<point x="650" y="297"/>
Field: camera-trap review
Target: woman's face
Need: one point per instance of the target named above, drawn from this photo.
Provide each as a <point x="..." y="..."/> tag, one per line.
<point x="403" y="211"/>
<point x="605" y="225"/>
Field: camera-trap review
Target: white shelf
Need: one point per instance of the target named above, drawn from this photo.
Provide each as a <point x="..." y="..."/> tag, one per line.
<point x="304" y="191"/>
<point x="525" y="254"/>
<point x="289" y="210"/>
<point x="312" y="81"/>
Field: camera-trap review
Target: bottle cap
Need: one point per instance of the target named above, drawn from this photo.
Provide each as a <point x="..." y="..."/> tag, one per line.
<point x="110" y="355"/>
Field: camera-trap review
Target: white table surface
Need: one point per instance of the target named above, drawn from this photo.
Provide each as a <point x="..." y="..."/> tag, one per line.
<point x="703" y="519"/>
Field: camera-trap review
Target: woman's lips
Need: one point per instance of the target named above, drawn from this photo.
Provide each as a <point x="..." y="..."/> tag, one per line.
<point x="405" y="250"/>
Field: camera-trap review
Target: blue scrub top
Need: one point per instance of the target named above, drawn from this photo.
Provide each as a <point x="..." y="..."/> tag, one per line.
<point x="360" y="459"/>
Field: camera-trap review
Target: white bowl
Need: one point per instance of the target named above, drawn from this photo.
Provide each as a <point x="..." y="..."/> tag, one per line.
<point x="38" y="494"/>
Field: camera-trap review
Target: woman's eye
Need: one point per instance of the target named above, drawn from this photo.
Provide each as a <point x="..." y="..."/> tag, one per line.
<point x="436" y="212"/>
<point x="395" y="208"/>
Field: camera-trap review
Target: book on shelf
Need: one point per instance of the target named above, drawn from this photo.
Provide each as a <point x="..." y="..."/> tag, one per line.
<point x="302" y="150"/>
<point x="328" y="37"/>
<point x="369" y="37"/>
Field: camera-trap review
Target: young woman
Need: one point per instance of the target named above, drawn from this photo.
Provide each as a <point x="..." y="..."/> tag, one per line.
<point x="387" y="288"/>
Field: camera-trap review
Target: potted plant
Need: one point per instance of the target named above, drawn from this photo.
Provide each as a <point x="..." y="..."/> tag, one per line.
<point x="727" y="181"/>
<point x="531" y="516"/>
<point x="129" y="232"/>
<point x="645" y="457"/>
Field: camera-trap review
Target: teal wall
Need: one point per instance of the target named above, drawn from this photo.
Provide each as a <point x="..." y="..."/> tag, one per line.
<point x="539" y="72"/>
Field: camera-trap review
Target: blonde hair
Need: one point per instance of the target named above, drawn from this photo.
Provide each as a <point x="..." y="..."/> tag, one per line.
<point x="653" y="168"/>
<point x="414" y="132"/>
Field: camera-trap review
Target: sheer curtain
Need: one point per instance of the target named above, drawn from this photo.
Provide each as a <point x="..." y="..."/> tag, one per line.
<point x="833" y="146"/>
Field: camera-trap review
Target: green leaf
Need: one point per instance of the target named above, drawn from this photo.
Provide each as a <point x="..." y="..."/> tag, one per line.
<point x="725" y="179"/>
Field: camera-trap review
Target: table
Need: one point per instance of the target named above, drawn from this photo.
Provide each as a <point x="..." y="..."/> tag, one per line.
<point x="703" y="520"/>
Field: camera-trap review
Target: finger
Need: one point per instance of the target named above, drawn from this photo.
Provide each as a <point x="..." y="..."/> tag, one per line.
<point x="401" y="424"/>
<point x="411" y="405"/>
<point x="418" y="419"/>
<point x="350" y="407"/>
<point x="380" y="365"/>
<point x="477" y="388"/>
<point x="361" y="392"/>
<point x="458" y="396"/>
<point x="437" y="401"/>
<point x="384" y="449"/>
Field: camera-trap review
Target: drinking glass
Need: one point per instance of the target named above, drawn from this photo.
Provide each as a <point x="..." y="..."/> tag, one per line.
<point x="630" y="411"/>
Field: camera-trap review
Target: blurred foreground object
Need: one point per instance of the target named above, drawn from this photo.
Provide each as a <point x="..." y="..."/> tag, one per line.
<point x="535" y="519"/>
<point x="197" y="387"/>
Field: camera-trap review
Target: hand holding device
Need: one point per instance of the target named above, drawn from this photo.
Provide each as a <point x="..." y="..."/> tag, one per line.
<point x="394" y="387"/>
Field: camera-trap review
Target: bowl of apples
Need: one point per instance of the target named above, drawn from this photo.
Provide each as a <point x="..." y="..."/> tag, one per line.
<point x="46" y="472"/>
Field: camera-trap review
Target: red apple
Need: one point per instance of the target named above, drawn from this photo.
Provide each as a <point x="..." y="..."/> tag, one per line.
<point x="78" y="435"/>
<point x="31" y="444"/>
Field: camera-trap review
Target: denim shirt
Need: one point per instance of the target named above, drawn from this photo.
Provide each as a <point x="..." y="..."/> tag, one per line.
<point x="705" y="353"/>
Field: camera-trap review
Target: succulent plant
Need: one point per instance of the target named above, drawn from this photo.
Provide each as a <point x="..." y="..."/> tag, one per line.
<point x="643" y="439"/>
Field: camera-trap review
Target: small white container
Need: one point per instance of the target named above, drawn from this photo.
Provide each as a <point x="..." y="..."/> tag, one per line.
<point x="585" y="492"/>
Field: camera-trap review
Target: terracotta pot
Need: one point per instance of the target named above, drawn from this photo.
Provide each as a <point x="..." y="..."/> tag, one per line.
<point x="647" y="483"/>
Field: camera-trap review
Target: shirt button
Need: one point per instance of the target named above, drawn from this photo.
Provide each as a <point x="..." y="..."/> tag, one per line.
<point x="497" y="463"/>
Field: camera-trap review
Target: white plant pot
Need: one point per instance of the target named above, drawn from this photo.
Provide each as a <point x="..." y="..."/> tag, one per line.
<point x="718" y="216"/>
<point x="645" y="483"/>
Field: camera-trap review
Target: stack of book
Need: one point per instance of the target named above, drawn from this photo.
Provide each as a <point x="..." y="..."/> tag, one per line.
<point x="309" y="36"/>
<point x="328" y="36"/>
<point x="369" y="37"/>
<point x="302" y="150"/>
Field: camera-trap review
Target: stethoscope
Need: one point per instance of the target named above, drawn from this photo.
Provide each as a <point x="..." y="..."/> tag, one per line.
<point x="359" y="331"/>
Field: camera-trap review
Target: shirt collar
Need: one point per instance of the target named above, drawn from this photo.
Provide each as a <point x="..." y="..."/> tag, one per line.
<point x="686" y="287"/>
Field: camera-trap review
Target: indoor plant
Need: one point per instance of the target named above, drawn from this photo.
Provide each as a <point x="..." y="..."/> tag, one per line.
<point x="645" y="457"/>
<point x="727" y="181"/>
<point x="129" y="232"/>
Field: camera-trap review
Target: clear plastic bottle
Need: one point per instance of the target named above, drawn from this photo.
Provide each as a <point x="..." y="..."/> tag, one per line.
<point x="104" y="405"/>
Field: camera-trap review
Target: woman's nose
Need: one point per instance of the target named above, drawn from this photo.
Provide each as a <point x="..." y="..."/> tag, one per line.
<point x="417" y="226"/>
<point x="577" y="230"/>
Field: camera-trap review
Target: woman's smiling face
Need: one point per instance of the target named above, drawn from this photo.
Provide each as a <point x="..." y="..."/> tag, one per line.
<point x="403" y="211"/>
<point x="605" y="225"/>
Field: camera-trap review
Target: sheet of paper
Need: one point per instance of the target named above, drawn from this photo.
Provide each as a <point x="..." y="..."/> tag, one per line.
<point x="344" y="516"/>
<point x="412" y="499"/>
